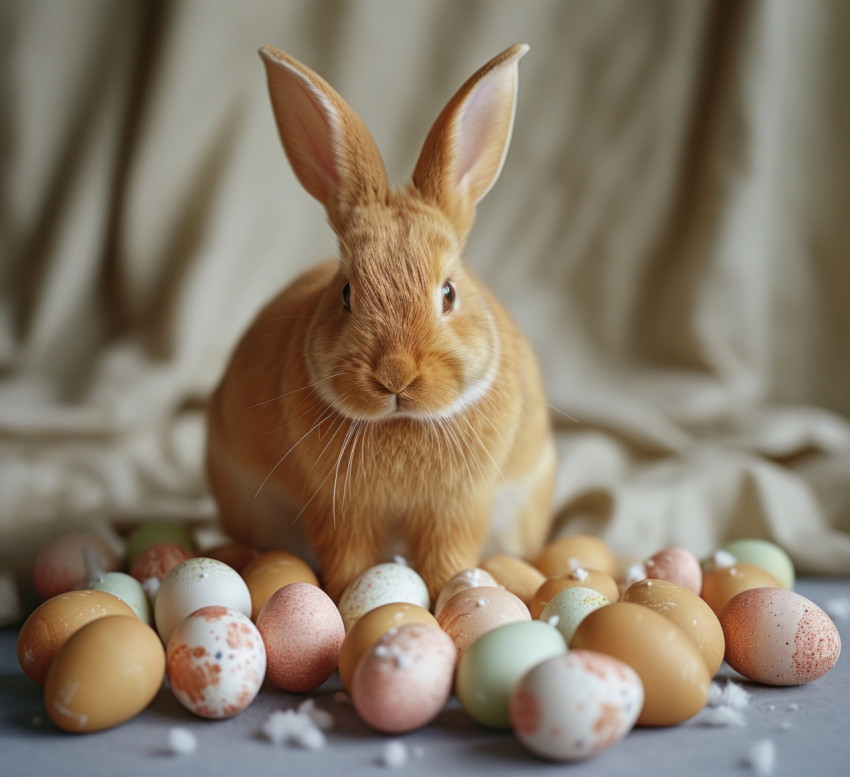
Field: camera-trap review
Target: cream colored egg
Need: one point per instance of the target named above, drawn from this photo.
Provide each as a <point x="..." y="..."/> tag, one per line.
<point x="575" y="705"/>
<point x="517" y="576"/>
<point x="382" y="584"/>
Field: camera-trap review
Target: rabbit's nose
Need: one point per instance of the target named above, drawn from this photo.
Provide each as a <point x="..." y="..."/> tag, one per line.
<point x="395" y="372"/>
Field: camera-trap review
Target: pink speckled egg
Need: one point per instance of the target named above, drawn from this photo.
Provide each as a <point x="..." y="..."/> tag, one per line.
<point x="70" y="561"/>
<point x="475" y="611"/>
<point x="404" y="681"/>
<point x="678" y="565"/>
<point x="778" y="637"/>
<point x="216" y="662"/>
<point x="574" y="705"/>
<point x="303" y="631"/>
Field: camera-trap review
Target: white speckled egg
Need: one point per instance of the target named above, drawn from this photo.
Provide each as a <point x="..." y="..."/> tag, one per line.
<point x="216" y="662"/>
<point x="196" y="583"/>
<point x="574" y="705"/>
<point x="382" y="584"/>
<point x="566" y="609"/>
<point x="778" y="637"/>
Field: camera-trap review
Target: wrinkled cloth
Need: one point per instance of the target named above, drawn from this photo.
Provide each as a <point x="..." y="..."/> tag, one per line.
<point x="670" y="229"/>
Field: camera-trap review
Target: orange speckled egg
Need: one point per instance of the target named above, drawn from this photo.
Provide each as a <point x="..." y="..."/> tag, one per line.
<point x="105" y="674"/>
<point x="216" y="662"/>
<point x="371" y="626"/>
<point x="563" y="555"/>
<point x="302" y="631"/>
<point x="723" y="583"/>
<point x="475" y="611"/>
<point x="586" y="578"/>
<point x="404" y="681"/>
<point x="156" y="560"/>
<point x="518" y="576"/>
<point x="51" y="624"/>
<point x="778" y="637"/>
<point x="273" y="570"/>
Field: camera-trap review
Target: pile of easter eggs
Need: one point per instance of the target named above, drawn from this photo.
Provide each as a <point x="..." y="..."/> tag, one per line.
<point x="568" y="651"/>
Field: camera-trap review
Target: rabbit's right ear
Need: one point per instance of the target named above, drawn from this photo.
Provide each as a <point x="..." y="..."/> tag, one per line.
<point x="332" y="153"/>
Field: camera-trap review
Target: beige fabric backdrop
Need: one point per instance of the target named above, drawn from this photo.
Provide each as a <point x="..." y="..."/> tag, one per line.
<point x="671" y="229"/>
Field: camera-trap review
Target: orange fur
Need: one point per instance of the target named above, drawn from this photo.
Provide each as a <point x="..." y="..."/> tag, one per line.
<point x="401" y="414"/>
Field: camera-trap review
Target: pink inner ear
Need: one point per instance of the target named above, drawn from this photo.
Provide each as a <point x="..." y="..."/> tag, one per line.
<point x="480" y="147"/>
<point x="319" y="141"/>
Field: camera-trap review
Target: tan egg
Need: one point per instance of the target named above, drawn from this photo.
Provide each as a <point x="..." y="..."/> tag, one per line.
<point x="564" y="554"/>
<point x="518" y="576"/>
<point x="674" y="675"/>
<point x="722" y="584"/>
<point x="586" y="578"/>
<point x="105" y="674"/>
<point x="690" y="613"/>
<point x="371" y="626"/>
<point x="271" y="571"/>
<point x="475" y="611"/>
<point x="469" y="578"/>
<point x="54" y="621"/>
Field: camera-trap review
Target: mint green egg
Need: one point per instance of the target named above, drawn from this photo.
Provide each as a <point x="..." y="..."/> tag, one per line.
<point x="491" y="667"/>
<point x="158" y="531"/>
<point x="764" y="554"/>
<point x="126" y="588"/>
<point x="567" y="608"/>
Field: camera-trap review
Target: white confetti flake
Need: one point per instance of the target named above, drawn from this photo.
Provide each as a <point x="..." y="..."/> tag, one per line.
<point x="394" y="754"/>
<point x="182" y="741"/>
<point x="288" y="727"/>
<point x="762" y="757"/>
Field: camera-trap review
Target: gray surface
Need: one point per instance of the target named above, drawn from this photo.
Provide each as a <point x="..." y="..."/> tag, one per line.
<point x="809" y="725"/>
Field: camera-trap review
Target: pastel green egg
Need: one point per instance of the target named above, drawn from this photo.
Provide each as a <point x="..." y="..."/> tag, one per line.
<point x="491" y="667"/>
<point x="127" y="589"/>
<point x="764" y="554"/>
<point x="566" y="609"/>
<point x="158" y="531"/>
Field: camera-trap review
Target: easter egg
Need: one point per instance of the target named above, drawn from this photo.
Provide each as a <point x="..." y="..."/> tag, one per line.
<point x="70" y="560"/>
<point x="777" y="637"/>
<point x="491" y="667"/>
<point x="216" y="662"/>
<point x="563" y="555"/>
<point x="382" y="584"/>
<point x="271" y="571"/>
<point x="575" y="705"/>
<point x="567" y="608"/>
<point x="475" y="611"/>
<point x="517" y="576"/>
<point x="127" y="589"/>
<point x="765" y="554"/>
<point x="469" y="578"/>
<point x="106" y="673"/>
<point x="302" y="631"/>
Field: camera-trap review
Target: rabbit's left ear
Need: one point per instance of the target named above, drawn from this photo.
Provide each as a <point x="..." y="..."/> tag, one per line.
<point x="466" y="147"/>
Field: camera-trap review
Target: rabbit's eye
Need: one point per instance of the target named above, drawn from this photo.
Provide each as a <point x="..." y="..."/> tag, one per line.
<point x="449" y="296"/>
<point x="346" y="296"/>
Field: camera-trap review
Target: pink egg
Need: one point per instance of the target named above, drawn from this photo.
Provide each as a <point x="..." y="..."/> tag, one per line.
<point x="215" y="662"/>
<point x="778" y="637"/>
<point x="70" y="561"/>
<point x="302" y="631"/>
<point x="475" y="611"/>
<point x="678" y="565"/>
<point x="404" y="681"/>
<point x="156" y="560"/>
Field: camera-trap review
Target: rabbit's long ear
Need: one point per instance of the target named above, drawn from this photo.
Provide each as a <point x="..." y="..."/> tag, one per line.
<point x="330" y="149"/>
<point x="465" y="149"/>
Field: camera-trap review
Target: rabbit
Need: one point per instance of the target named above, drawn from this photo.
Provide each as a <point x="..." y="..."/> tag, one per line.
<point x="386" y="396"/>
